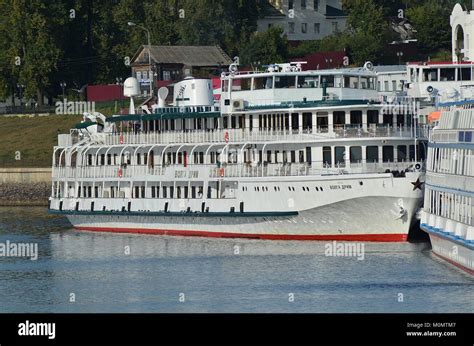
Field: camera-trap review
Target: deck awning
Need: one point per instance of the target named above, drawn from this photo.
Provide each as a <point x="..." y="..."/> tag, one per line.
<point x="434" y="116"/>
<point x="126" y="117"/>
<point x="85" y="124"/>
<point x="181" y="115"/>
<point x="164" y="116"/>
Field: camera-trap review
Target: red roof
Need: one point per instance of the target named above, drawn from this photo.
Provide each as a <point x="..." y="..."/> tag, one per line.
<point x="322" y="60"/>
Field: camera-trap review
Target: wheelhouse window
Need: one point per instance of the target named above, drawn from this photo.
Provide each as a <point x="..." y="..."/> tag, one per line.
<point x="351" y="82"/>
<point x="285" y="82"/>
<point x="465" y="73"/>
<point x="430" y="75"/>
<point x="327" y="81"/>
<point x="262" y="83"/>
<point x="447" y="74"/>
<point x="308" y="81"/>
<point x="245" y="83"/>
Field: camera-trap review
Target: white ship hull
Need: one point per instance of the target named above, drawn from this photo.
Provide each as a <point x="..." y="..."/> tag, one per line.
<point x="381" y="208"/>
<point x="457" y="253"/>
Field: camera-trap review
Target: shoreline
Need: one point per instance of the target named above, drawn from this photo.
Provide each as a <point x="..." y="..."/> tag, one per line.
<point x="24" y="194"/>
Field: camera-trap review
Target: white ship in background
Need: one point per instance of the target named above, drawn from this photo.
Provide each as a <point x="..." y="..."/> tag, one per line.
<point x="448" y="210"/>
<point x="287" y="154"/>
<point x="449" y="193"/>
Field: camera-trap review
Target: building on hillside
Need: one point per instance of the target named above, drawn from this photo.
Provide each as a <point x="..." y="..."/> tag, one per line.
<point x="173" y="63"/>
<point x="304" y="19"/>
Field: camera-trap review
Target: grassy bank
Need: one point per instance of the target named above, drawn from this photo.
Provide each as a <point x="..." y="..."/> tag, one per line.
<point x="33" y="137"/>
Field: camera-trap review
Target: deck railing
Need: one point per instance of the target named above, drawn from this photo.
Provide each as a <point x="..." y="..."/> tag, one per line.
<point x="226" y="170"/>
<point x="245" y="135"/>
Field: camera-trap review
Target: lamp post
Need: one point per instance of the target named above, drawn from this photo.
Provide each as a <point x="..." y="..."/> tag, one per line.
<point x="399" y="54"/>
<point x="20" y="87"/>
<point x="150" y="73"/>
<point x="63" y="86"/>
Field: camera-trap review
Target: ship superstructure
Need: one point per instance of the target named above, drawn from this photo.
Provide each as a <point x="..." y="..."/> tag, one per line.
<point x="285" y="154"/>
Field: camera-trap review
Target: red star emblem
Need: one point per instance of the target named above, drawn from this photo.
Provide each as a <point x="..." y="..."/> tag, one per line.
<point x="417" y="184"/>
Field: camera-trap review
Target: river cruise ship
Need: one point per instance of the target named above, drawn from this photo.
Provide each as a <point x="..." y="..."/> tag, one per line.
<point x="448" y="210"/>
<point x="284" y="154"/>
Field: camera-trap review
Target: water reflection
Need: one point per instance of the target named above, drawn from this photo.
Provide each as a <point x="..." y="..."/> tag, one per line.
<point x="215" y="275"/>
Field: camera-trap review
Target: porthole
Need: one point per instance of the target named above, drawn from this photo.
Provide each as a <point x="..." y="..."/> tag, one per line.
<point x="316" y="188"/>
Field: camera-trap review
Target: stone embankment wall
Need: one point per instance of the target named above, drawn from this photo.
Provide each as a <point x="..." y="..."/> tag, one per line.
<point x="25" y="186"/>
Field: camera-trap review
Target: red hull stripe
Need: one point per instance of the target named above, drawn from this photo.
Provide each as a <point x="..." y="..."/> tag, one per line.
<point x="456" y="264"/>
<point x="347" y="237"/>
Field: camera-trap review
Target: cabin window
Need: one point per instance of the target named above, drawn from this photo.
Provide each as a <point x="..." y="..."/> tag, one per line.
<point x="308" y="81"/>
<point x="327" y="160"/>
<point x="262" y="83"/>
<point x="301" y="156"/>
<point x="355" y="154"/>
<point x="233" y="122"/>
<point x="294" y="121"/>
<point x="285" y="82"/>
<point x="340" y="156"/>
<point x="165" y="192"/>
<point x="293" y="156"/>
<point x="269" y="156"/>
<point x="339" y="118"/>
<point x="447" y="74"/>
<point x="400" y="119"/>
<point x="372" y="117"/>
<point x="388" y="119"/>
<point x="138" y="159"/>
<point x="401" y="153"/>
<point x="411" y="152"/>
<point x="387" y="153"/>
<point x="356" y="117"/>
<point x="307" y="121"/>
<point x="430" y="75"/>
<point x="372" y="154"/>
<point x="102" y="159"/>
<point x="225" y="122"/>
<point x="89" y="159"/>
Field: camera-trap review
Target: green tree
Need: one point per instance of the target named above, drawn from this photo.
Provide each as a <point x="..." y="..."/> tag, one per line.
<point x="266" y="47"/>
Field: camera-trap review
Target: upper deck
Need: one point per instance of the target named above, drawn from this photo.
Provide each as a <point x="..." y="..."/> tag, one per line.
<point x="288" y="83"/>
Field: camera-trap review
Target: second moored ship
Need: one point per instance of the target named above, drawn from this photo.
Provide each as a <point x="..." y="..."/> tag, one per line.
<point x="285" y="154"/>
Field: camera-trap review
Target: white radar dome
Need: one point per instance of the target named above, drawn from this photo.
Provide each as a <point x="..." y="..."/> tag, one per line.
<point x="131" y="87"/>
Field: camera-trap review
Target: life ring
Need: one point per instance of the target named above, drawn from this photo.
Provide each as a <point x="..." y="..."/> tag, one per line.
<point x="120" y="172"/>
<point x="226" y="137"/>
<point x="221" y="172"/>
<point x="121" y="138"/>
